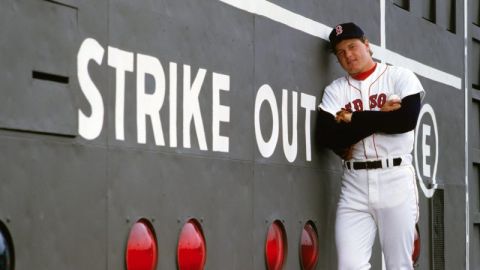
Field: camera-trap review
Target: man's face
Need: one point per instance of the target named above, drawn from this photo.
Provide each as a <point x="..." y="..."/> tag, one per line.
<point x="354" y="55"/>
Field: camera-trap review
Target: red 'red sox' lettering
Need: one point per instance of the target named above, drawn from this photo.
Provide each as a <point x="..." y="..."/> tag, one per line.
<point x="375" y="101"/>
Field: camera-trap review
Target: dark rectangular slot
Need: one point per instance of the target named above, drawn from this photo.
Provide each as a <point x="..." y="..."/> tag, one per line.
<point x="475" y="7"/>
<point x="49" y="77"/>
<point x="405" y="4"/>
<point x="475" y="154"/>
<point x="61" y="4"/>
<point x="475" y="64"/>
<point x="475" y="95"/>
<point x="452" y="20"/>
<point x="44" y="133"/>
<point x="475" y="260"/>
<point x="429" y="10"/>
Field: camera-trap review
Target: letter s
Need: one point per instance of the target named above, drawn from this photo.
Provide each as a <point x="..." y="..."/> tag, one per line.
<point x="89" y="127"/>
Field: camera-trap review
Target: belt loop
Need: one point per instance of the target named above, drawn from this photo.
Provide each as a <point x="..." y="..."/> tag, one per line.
<point x="384" y="162"/>
<point x="391" y="162"/>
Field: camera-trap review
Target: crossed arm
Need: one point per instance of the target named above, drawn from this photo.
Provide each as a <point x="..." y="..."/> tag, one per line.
<point x="341" y="132"/>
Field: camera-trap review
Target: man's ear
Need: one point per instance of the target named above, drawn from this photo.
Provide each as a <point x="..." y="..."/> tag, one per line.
<point x="367" y="46"/>
<point x="367" y="43"/>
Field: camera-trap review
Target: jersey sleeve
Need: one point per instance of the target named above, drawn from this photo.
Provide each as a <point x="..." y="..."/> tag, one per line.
<point x="406" y="83"/>
<point x="330" y="101"/>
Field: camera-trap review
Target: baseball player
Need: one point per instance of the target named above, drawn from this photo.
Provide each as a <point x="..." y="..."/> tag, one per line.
<point x="367" y="117"/>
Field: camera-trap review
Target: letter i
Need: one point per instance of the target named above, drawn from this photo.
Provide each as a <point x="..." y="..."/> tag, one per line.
<point x="173" y="103"/>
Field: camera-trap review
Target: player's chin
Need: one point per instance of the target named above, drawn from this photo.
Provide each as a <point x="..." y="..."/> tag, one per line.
<point x="353" y="68"/>
<point x="353" y="71"/>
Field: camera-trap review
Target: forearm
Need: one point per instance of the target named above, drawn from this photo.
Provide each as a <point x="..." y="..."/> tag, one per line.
<point x="340" y="135"/>
<point x="393" y="122"/>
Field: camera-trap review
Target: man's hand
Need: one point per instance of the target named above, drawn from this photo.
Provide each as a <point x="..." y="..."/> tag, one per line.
<point x="391" y="105"/>
<point x="343" y="116"/>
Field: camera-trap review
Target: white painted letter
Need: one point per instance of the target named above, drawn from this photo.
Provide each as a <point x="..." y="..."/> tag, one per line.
<point x="290" y="150"/>
<point x="173" y="103"/>
<point x="220" y="113"/>
<point x="89" y="127"/>
<point x="425" y="150"/>
<point x="122" y="61"/>
<point x="307" y="102"/>
<point x="265" y="93"/>
<point x="150" y="104"/>
<point x="191" y="107"/>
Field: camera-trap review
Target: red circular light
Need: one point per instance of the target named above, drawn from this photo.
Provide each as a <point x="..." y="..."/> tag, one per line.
<point x="309" y="247"/>
<point x="191" y="250"/>
<point x="416" y="245"/>
<point x="141" y="253"/>
<point x="275" y="246"/>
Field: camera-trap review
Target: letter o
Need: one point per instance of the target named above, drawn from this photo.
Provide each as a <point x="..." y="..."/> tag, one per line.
<point x="265" y="93"/>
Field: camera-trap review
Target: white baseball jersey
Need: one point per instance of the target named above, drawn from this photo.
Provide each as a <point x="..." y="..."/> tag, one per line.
<point x="371" y="94"/>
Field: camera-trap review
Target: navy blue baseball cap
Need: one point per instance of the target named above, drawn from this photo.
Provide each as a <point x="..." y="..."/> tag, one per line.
<point x="344" y="31"/>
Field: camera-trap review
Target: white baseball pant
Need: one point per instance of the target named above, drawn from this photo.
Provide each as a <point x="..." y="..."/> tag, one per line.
<point x="386" y="199"/>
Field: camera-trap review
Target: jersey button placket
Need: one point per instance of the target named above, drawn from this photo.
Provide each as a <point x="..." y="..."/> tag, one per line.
<point x="365" y="99"/>
<point x="365" y="106"/>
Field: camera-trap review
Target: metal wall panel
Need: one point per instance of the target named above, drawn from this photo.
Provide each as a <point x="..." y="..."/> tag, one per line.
<point x="366" y="14"/>
<point x="474" y="188"/>
<point x="454" y="216"/>
<point x="418" y="44"/>
<point x="54" y="194"/>
<point x="291" y="66"/>
<point x="186" y="40"/>
<point x="39" y="39"/>
<point x="169" y="190"/>
<point x="425" y="229"/>
<point x="439" y="96"/>
<point x="293" y="196"/>
<point x="173" y="184"/>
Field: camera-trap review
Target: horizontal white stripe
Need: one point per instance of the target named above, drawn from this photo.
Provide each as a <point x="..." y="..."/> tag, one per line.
<point x="417" y="67"/>
<point x="314" y="28"/>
